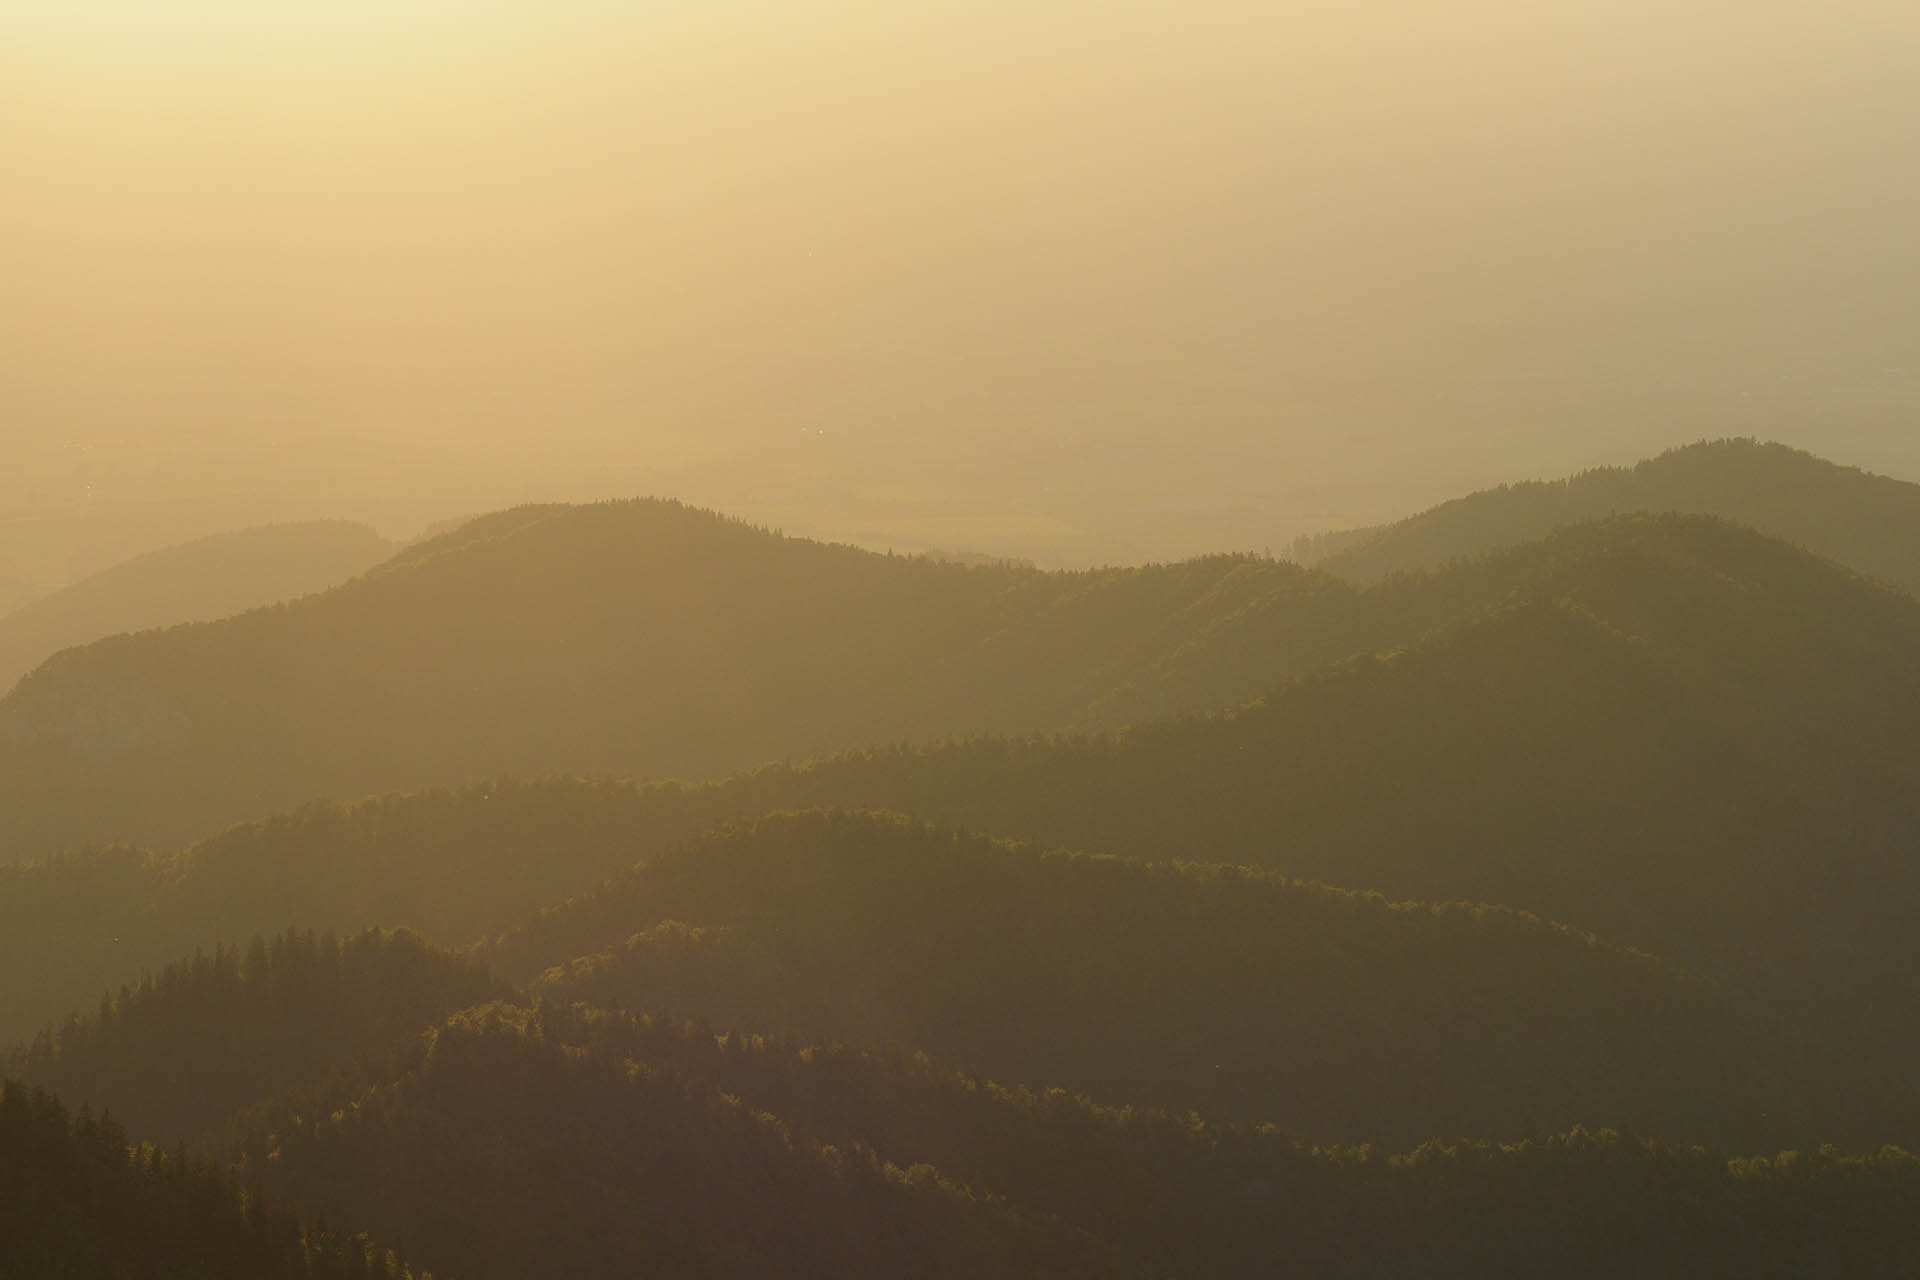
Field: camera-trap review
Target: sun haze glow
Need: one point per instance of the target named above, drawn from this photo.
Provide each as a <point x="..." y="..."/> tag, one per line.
<point x="1069" y="262"/>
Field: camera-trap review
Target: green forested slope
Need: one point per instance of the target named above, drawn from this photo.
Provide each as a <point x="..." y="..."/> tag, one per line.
<point x="177" y="1054"/>
<point x="77" y="1204"/>
<point x="1868" y="522"/>
<point x="208" y="578"/>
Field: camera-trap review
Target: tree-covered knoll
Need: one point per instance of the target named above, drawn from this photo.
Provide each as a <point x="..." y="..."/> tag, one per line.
<point x="1338" y="1016"/>
<point x="175" y="1055"/>
<point x="76" y="1203"/>
<point x="500" y="1147"/>
<point x="580" y="1143"/>
<point x="211" y="577"/>
<point x="1868" y="522"/>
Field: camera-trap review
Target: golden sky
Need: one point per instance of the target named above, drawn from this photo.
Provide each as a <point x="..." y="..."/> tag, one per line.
<point x="1126" y="247"/>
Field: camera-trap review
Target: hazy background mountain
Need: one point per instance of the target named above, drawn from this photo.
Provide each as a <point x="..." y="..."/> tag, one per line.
<point x="650" y="639"/>
<point x="1870" y="523"/>
<point x="643" y="638"/>
<point x="208" y="578"/>
<point x="15" y="592"/>
<point x="1076" y="281"/>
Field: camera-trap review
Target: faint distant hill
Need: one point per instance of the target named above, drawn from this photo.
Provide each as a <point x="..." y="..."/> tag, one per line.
<point x="1869" y="523"/>
<point x="976" y="558"/>
<point x="15" y="593"/>
<point x="212" y="577"/>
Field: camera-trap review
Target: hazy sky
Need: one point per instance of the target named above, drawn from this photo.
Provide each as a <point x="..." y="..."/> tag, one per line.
<point x="1152" y="276"/>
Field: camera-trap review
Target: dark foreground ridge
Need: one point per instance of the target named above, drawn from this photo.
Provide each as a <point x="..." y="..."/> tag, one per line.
<point x="77" y="1203"/>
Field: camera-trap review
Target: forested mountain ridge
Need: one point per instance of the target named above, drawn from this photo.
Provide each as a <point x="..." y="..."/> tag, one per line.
<point x="507" y="1143"/>
<point x="77" y="1203"/>
<point x="642" y="638"/>
<point x="1869" y="522"/>
<point x="875" y="930"/>
<point x="1688" y="738"/>
<point x="451" y="865"/>
<point x="578" y="1143"/>
<point x="1233" y="992"/>
<point x="178" y="1053"/>
<point x="650" y="639"/>
<point x="1682" y="735"/>
<point x="208" y="578"/>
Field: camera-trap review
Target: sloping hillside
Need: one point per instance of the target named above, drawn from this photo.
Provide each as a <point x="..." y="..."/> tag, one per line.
<point x="639" y="638"/>
<point x="450" y="865"/>
<point x="649" y="639"/>
<point x="76" y="1202"/>
<point x="179" y="1053"/>
<point x="505" y="1147"/>
<point x="1868" y="522"/>
<point x="1245" y="996"/>
<point x="1684" y="736"/>
<point x="585" y="1145"/>
<point x="212" y="577"/>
